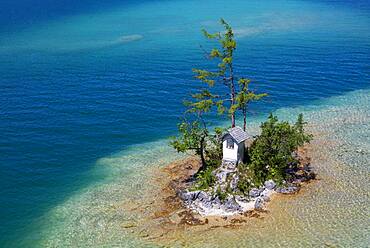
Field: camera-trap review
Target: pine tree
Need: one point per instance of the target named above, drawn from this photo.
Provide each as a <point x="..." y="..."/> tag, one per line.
<point x="244" y="97"/>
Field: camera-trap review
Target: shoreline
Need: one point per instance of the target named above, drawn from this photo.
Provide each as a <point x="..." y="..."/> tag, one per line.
<point x="178" y="174"/>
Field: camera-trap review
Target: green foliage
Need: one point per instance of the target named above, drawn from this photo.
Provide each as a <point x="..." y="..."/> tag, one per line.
<point x="202" y="102"/>
<point x="214" y="148"/>
<point x="205" y="179"/>
<point x="224" y="73"/>
<point x="238" y="95"/>
<point x="244" y="97"/>
<point x="245" y="182"/>
<point x="243" y="186"/>
<point x="271" y="152"/>
<point x="220" y="194"/>
<point x="191" y="137"/>
<point x="205" y="76"/>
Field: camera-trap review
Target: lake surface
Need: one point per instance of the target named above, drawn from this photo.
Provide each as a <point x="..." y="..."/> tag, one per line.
<point x="91" y="91"/>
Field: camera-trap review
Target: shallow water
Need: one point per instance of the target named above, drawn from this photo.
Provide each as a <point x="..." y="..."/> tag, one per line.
<point x="90" y="93"/>
<point x="331" y="211"/>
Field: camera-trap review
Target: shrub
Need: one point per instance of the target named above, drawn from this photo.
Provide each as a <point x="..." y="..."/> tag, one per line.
<point x="221" y="195"/>
<point x="244" y="182"/>
<point x="271" y="152"/>
<point x="213" y="149"/>
<point x="205" y="179"/>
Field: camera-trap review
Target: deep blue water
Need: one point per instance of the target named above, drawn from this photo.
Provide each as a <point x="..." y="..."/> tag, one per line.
<point x="82" y="81"/>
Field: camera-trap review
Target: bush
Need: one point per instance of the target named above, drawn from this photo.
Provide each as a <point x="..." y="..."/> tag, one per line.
<point x="213" y="150"/>
<point x="271" y="152"/>
<point x="205" y="179"/>
<point x="221" y="195"/>
<point x="244" y="182"/>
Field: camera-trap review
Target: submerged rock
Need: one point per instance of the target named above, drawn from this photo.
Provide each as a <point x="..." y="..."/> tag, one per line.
<point x="290" y="189"/>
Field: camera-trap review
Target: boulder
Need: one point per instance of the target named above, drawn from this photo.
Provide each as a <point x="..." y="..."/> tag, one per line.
<point x="207" y="204"/>
<point x="221" y="176"/>
<point x="241" y="198"/>
<point x="231" y="205"/>
<point x="188" y="196"/>
<point x="203" y="197"/>
<point x="216" y="202"/>
<point x="265" y="198"/>
<point x="234" y="182"/>
<point x="311" y="176"/>
<point x="289" y="189"/>
<point x="270" y="184"/>
<point x="255" y="192"/>
<point x="259" y="204"/>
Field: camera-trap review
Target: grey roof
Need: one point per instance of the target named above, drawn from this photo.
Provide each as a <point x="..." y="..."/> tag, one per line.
<point x="238" y="134"/>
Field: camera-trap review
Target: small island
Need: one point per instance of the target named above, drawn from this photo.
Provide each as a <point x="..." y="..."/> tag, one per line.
<point x="237" y="172"/>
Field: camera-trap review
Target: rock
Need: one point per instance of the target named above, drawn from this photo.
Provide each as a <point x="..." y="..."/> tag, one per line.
<point x="270" y="184"/>
<point x="207" y="204"/>
<point x="221" y="176"/>
<point x="189" y="196"/>
<point x="230" y="165"/>
<point x="300" y="179"/>
<point x="295" y="155"/>
<point x="216" y="202"/>
<point x="265" y="195"/>
<point x="129" y="225"/>
<point x="234" y="182"/>
<point x="290" y="189"/>
<point x="203" y="196"/>
<point x="241" y="198"/>
<point x="259" y="204"/>
<point x="265" y="198"/>
<point x="255" y="192"/>
<point x="311" y="176"/>
<point x="231" y="205"/>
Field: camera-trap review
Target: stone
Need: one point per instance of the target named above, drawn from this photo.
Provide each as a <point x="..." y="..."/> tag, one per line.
<point x="290" y="189"/>
<point x="259" y="204"/>
<point x="254" y="192"/>
<point x="216" y="202"/>
<point x="270" y="184"/>
<point x="189" y="196"/>
<point x="234" y="182"/>
<point x="231" y="205"/>
<point x="230" y="166"/>
<point x="311" y="176"/>
<point x="203" y="196"/>
<point x="241" y="198"/>
<point x="221" y="176"/>
<point x="265" y="198"/>
<point x="207" y="204"/>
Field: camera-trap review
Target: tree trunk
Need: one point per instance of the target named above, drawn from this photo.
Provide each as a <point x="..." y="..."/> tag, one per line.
<point x="232" y="86"/>
<point x="244" y="120"/>
<point x="233" y="120"/>
<point x="204" y="165"/>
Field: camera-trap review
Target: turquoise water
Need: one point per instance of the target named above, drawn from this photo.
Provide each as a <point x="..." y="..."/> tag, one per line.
<point x="90" y="91"/>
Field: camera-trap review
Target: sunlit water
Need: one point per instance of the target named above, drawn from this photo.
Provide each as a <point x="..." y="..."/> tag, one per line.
<point x="89" y="96"/>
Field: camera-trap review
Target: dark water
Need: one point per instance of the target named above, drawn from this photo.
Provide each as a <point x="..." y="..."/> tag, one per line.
<point x="82" y="81"/>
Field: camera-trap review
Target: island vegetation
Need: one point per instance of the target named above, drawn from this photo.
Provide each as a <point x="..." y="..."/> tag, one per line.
<point x="271" y="160"/>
